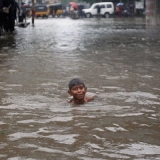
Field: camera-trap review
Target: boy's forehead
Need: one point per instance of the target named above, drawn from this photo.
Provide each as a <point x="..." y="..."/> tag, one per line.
<point x="78" y="85"/>
<point x="75" y="82"/>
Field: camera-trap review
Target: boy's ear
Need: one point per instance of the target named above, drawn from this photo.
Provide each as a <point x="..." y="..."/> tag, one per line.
<point x="69" y="92"/>
<point x="86" y="89"/>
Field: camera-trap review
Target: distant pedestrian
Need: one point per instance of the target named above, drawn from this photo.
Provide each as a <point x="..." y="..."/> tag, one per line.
<point x="16" y="11"/>
<point x="8" y="15"/>
<point x="12" y="10"/>
<point x="1" y="5"/>
<point x="71" y="11"/>
<point x="119" y="11"/>
<point x="98" y="11"/>
<point x="1" y="16"/>
<point x="23" y="13"/>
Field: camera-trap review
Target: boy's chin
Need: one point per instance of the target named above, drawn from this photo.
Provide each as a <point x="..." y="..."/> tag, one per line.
<point x="80" y="97"/>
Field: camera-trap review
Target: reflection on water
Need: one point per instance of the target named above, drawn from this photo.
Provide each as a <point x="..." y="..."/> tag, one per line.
<point x="118" y="59"/>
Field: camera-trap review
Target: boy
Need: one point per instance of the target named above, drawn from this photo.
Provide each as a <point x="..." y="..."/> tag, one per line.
<point x="78" y="91"/>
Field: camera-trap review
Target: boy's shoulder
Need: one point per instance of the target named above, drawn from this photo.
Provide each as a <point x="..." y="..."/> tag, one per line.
<point x="86" y="99"/>
<point x="89" y="98"/>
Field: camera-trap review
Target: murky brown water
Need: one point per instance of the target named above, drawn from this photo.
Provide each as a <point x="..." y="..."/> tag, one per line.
<point x="118" y="59"/>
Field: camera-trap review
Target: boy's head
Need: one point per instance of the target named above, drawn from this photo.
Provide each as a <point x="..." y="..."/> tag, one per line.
<point x="74" y="82"/>
<point x="77" y="89"/>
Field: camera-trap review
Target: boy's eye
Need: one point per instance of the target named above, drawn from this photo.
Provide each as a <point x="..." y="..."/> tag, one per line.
<point x="79" y="87"/>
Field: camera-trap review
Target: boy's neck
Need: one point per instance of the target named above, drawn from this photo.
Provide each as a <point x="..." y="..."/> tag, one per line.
<point x="77" y="101"/>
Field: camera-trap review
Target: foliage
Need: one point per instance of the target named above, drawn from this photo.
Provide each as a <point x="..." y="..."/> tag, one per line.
<point x="79" y="1"/>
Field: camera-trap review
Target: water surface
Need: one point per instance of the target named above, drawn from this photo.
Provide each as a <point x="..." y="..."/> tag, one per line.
<point x="119" y="61"/>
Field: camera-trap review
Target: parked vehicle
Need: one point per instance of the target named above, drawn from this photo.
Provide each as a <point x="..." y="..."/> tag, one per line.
<point x="27" y="3"/>
<point x="106" y="9"/>
<point x="41" y="10"/>
<point x="56" y="9"/>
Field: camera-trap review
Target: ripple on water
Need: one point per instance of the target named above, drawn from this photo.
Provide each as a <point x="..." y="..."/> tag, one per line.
<point x="118" y="62"/>
<point x="141" y="149"/>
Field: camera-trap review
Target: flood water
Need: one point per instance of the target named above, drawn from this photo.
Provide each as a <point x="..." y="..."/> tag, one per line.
<point x="119" y="61"/>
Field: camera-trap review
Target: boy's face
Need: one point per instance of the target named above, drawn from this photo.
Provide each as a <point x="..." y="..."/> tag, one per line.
<point x="78" y="92"/>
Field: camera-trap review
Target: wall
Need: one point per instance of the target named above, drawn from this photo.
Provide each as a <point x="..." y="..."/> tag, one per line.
<point x="153" y="12"/>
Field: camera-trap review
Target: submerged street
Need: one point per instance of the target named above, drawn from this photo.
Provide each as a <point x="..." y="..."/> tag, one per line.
<point x="119" y="61"/>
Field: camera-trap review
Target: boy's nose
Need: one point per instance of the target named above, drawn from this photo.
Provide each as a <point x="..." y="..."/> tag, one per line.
<point x="79" y="89"/>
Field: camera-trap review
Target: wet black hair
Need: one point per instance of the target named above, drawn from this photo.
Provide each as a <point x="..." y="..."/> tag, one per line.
<point x="74" y="82"/>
